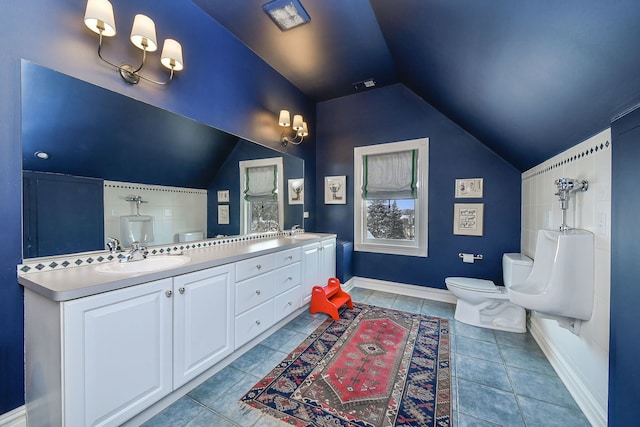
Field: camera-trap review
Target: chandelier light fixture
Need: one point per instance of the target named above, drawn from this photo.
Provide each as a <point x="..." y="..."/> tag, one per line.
<point x="99" y="19"/>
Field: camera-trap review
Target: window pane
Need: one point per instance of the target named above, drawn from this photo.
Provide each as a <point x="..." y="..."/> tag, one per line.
<point x="391" y="219"/>
<point x="264" y="216"/>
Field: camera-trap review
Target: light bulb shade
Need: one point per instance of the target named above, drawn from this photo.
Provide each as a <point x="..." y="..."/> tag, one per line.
<point x="99" y="17"/>
<point x="304" y="131"/>
<point x="172" y="55"/>
<point x="297" y="122"/>
<point x="285" y="118"/>
<point x="143" y="33"/>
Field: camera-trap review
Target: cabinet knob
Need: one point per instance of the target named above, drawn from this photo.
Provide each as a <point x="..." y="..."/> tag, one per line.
<point x="257" y="291"/>
<point x="168" y="294"/>
<point x="289" y="278"/>
<point x="181" y="290"/>
<point x="289" y="303"/>
<point x="258" y="266"/>
<point x="320" y="248"/>
<point x="289" y="257"/>
<point x="258" y="322"/>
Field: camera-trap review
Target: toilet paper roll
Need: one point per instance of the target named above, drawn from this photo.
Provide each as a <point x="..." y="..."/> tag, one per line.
<point x="468" y="258"/>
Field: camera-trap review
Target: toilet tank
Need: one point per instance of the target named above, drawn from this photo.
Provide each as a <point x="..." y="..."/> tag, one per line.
<point x="515" y="268"/>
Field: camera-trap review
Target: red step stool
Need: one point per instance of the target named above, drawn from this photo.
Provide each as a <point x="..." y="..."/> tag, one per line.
<point x="329" y="299"/>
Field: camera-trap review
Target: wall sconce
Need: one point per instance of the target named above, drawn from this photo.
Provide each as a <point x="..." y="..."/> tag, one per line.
<point x="299" y="127"/>
<point x="99" y="18"/>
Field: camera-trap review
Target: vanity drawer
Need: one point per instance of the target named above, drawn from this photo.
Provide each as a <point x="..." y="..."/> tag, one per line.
<point x="254" y="291"/>
<point x="287" y="277"/>
<point x="254" y="322"/>
<point x="287" y="257"/>
<point x="254" y="266"/>
<point x="286" y="303"/>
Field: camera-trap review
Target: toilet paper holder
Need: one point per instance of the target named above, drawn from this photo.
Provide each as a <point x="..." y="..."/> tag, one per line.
<point x="475" y="257"/>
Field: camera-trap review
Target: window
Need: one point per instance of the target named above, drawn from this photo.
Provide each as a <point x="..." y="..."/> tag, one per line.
<point x="390" y="204"/>
<point x="261" y="199"/>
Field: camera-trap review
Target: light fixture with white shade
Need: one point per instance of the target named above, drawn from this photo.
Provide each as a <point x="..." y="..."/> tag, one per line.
<point x="299" y="127"/>
<point x="99" y="18"/>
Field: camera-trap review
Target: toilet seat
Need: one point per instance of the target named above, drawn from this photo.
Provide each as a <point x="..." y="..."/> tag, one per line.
<point x="470" y="284"/>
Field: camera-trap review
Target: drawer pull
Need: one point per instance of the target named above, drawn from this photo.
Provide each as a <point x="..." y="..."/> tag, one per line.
<point x="289" y="303"/>
<point x="289" y="257"/>
<point x="258" y="266"/>
<point x="258" y="322"/>
<point x="289" y="278"/>
<point x="168" y="294"/>
<point x="181" y="290"/>
<point x="257" y="291"/>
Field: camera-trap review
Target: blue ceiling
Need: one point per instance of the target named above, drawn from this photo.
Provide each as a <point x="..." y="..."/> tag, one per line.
<point x="527" y="78"/>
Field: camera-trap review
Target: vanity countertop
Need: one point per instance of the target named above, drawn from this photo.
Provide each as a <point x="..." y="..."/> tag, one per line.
<point x="78" y="282"/>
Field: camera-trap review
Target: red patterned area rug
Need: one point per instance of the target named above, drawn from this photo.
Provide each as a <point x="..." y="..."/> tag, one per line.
<point x="375" y="367"/>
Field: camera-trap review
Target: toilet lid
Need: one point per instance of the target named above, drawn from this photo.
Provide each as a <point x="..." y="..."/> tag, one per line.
<point x="479" y="285"/>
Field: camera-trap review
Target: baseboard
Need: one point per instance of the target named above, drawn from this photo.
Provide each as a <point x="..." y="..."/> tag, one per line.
<point x="15" y="418"/>
<point x="596" y="415"/>
<point x="442" y="295"/>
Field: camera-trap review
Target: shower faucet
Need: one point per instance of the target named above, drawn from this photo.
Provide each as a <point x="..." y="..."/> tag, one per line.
<point x="566" y="186"/>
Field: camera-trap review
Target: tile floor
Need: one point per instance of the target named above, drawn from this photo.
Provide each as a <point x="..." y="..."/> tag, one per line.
<point x="499" y="378"/>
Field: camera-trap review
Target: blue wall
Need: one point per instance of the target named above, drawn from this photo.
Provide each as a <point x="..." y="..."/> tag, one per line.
<point x="394" y="113"/>
<point x="624" y="346"/>
<point x="223" y="84"/>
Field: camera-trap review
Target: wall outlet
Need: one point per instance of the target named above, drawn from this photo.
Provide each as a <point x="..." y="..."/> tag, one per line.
<point x="168" y="212"/>
<point x="305" y="215"/>
<point x="601" y="226"/>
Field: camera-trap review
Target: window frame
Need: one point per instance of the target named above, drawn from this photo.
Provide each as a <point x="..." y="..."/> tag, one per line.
<point x="245" y="208"/>
<point x="419" y="247"/>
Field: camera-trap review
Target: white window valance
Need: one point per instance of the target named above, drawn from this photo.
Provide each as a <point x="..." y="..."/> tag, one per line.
<point x="390" y="176"/>
<point x="261" y="183"/>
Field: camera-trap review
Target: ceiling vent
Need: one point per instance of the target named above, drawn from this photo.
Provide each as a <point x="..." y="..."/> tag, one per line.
<point x="287" y="14"/>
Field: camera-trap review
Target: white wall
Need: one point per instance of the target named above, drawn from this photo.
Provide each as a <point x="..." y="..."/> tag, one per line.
<point x="174" y="209"/>
<point x="581" y="361"/>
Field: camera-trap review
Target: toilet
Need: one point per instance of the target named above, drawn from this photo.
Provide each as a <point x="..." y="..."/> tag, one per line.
<point x="482" y="303"/>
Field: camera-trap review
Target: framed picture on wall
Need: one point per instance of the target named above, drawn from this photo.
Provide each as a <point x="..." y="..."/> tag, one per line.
<point x="296" y="191"/>
<point x="468" y="219"/>
<point x="223" y="214"/>
<point x="223" y="196"/>
<point x="470" y="188"/>
<point x="335" y="190"/>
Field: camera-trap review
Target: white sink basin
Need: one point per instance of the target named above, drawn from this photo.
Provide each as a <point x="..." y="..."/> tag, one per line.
<point x="152" y="263"/>
<point x="304" y="236"/>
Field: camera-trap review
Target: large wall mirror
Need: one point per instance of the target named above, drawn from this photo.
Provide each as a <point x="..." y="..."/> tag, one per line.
<point x="88" y="153"/>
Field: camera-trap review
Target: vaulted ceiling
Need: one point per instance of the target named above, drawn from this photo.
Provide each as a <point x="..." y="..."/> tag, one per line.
<point x="528" y="78"/>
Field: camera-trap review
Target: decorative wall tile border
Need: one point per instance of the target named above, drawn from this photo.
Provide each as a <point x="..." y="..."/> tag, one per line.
<point x="571" y="156"/>
<point x="158" y="188"/>
<point x="78" y="260"/>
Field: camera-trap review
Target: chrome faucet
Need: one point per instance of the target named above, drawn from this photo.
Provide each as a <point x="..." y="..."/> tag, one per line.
<point x="295" y="229"/>
<point x="137" y="253"/>
<point x="113" y="245"/>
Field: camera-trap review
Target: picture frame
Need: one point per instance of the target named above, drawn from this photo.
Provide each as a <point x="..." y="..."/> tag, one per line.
<point x="295" y="191"/>
<point x="223" y="196"/>
<point x="335" y="190"/>
<point x="470" y="188"/>
<point x="223" y="214"/>
<point x="468" y="219"/>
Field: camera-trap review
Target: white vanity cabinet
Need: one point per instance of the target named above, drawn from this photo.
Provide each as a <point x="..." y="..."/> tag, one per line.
<point x="100" y="360"/>
<point x="267" y="290"/>
<point x="203" y="316"/>
<point x="318" y="265"/>
<point x="117" y="353"/>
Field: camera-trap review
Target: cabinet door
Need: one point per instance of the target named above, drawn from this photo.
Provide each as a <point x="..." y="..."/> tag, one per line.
<point x="117" y="353"/>
<point x="310" y="270"/>
<point x="202" y="322"/>
<point x="327" y="260"/>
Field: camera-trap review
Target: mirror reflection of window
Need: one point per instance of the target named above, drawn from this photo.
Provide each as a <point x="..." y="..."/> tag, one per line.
<point x="262" y="207"/>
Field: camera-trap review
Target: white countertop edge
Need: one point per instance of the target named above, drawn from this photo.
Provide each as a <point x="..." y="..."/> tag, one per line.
<point x="79" y="282"/>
